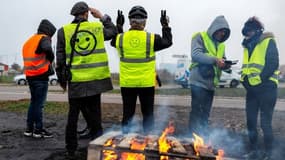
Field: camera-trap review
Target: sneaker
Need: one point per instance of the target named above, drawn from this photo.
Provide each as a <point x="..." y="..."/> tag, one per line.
<point x="28" y="133"/>
<point x="42" y="133"/>
<point x="83" y="131"/>
<point x="85" y="135"/>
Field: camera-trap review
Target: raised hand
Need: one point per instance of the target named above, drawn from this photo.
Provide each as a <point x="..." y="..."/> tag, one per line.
<point x="120" y="18"/>
<point x="164" y="19"/>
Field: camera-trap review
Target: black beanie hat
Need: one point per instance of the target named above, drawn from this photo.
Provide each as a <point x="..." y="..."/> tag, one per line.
<point x="252" y="24"/>
<point x="79" y="8"/>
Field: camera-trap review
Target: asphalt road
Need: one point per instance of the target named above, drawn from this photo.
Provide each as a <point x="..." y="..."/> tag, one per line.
<point x="22" y="92"/>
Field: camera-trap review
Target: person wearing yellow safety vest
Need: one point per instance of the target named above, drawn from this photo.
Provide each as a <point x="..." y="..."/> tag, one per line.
<point x="208" y="59"/>
<point x="82" y="64"/>
<point x="136" y="49"/>
<point x="260" y="79"/>
<point x="38" y="57"/>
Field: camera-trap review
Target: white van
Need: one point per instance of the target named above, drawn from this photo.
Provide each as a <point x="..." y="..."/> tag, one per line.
<point x="230" y="78"/>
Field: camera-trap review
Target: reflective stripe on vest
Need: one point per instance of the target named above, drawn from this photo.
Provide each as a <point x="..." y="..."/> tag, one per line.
<point x="137" y="59"/>
<point x="34" y="64"/>
<point x="89" y="39"/>
<point x="253" y="66"/>
<point x="212" y="51"/>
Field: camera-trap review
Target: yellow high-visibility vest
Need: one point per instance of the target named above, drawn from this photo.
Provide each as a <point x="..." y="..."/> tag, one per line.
<point x="213" y="51"/>
<point x="137" y="59"/>
<point x="89" y="39"/>
<point x="253" y="66"/>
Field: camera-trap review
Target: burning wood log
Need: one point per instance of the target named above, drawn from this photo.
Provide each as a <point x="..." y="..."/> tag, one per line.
<point x="126" y="142"/>
<point x="116" y="146"/>
<point x="176" y="146"/>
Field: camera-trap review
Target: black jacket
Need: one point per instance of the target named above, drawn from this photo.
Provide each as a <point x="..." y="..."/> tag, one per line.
<point x="159" y="42"/>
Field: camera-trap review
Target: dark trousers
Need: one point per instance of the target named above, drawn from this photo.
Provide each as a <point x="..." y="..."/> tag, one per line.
<point x="146" y="97"/>
<point x="261" y="99"/>
<point x="84" y="112"/>
<point x="38" y="91"/>
<point x="91" y="104"/>
<point x="201" y="104"/>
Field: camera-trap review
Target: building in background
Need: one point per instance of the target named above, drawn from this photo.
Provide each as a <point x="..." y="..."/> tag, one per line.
<point x="3" y="69"/>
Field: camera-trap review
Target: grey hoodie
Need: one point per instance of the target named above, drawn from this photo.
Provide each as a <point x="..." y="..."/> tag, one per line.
<point x="198" y="53"/>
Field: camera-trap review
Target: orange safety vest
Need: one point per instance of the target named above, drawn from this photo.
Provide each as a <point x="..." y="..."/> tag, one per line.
<point x="34" y="64"/>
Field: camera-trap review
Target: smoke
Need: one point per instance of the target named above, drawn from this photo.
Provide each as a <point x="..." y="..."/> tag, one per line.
<point x="231" y="143"/>
<point x="135" y="126"/>
<point x="161" y="119"/>
<point x="278" y="148"/>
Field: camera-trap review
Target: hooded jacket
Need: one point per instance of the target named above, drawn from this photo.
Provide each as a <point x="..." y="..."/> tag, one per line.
<point x="271" y="60"/>
<point x="45" y="46"/>
<point x="198" y="53"/>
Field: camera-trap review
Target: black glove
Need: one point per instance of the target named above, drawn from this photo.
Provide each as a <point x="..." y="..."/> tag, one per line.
<point x="164" y="19"/>
<point x="120" y="18"/>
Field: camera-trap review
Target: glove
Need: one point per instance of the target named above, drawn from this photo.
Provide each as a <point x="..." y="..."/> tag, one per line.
<point x="120" y="18"/>
<point x="164" y="19"/>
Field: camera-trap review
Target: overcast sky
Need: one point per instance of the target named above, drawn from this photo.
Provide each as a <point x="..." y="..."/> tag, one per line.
<point x="20" y="19"/>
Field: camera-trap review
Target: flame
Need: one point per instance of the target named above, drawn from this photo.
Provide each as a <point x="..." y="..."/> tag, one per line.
<point x="198" y="143"/>
<point x="132" y="156"/>
<point x="109" y="154"/>
<point x="109" y="143"/>
<point x="163" y="144"/>
<point x="138" y="143"/>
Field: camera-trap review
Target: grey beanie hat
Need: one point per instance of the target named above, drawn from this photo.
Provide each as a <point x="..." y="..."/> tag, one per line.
<point x="79" y="8"/>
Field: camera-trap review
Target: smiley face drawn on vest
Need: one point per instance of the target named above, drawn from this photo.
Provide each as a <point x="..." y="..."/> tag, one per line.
<point x="134" y="42"/>
<point x="85" y="42"/>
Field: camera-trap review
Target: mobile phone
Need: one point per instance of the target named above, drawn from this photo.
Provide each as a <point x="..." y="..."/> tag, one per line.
<point x="231" y="62"/>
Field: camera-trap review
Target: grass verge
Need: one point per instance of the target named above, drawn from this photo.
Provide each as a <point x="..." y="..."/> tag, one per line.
<point x="22" y="106"/>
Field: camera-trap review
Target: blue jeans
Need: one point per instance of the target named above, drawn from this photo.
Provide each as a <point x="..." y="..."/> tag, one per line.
<point x="38" y="91"/>
<point x="201" y="104"/>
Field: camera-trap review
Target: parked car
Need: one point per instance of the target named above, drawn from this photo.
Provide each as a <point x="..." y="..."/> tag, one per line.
<point x="21" y="79"/>
<point x="228" y="79"/>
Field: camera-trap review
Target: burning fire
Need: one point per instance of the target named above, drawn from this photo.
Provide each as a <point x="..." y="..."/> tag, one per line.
<point x="199" y="146"/>
<point x="132" y="156"/>
<point x="138" y="143"/>
<point x="198" y="143"/>
<point x="109" y="154"/>
<point x="164" y="145"/>
<point x="134" y="147"/>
